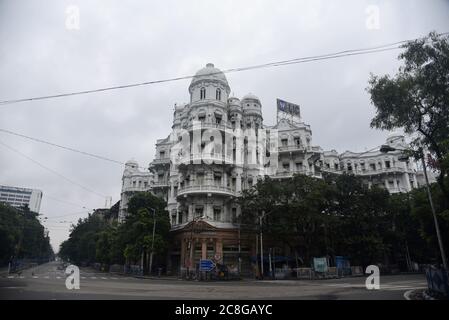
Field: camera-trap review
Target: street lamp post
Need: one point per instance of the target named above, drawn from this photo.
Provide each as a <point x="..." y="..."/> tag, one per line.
<point x="263" y="215"/>
<point x="261" y="245"/>
<point x="152" y="242"/>
<point x="387" y="148"/>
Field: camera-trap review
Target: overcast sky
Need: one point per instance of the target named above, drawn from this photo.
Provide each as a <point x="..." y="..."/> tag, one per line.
<point x="117" y="42"/>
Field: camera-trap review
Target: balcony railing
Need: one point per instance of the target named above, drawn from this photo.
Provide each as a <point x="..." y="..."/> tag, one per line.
<point x="377" y="171"/>
<point x="136" y="189"/>
<point x="292" y="148"/>
<point x="209" y="125"/>
<point x="165" y="160"/>
<point x="160" y="184"/>
<point x="206" y="189"/>
<point x="198" y="158"/>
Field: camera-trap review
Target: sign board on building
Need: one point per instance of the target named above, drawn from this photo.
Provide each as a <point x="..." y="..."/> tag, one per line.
<point x="288" y="107"/>
<point x="206" y="265"/>
<point x="320" y="264"/>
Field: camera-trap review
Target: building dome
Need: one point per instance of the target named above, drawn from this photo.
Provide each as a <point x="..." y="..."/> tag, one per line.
<point x="131" y="164"/>
<point x="250" y="96"/>
<point x="210" y="73"/>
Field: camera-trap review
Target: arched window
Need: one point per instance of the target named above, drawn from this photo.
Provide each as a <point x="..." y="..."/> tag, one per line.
<point x="203" y="93"/>
<point x="218" y="94"/>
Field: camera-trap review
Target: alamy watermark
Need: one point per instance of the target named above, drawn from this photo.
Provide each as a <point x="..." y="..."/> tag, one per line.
<point x="73" y="277"/>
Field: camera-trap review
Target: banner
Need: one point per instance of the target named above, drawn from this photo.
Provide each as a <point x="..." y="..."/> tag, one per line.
<point x="320" y="264"/>
<point x="288" y="107"/>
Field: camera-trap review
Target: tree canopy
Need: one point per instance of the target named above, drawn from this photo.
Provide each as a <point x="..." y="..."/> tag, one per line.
<point x="416" y="100"/>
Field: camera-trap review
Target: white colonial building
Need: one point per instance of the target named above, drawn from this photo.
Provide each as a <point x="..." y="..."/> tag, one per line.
<point x="218" y="147"/>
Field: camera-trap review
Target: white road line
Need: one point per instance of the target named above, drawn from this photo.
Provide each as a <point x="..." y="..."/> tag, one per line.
<point x="47" y="277"/>
<point x="104" y="278"/>
<point x="35" y="277"/>
<point x="93" y="277"/>
<point x="58" y="277"/>
<point x="10" y="277"/>
<point x="83" y="277"/>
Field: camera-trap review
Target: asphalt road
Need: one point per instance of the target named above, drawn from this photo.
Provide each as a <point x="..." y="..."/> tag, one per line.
<point x="47" y="282"/>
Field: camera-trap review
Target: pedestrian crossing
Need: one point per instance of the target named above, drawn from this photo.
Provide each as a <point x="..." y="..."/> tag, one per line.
<point x="83" y="276"/>
<point x="389" y="286"/>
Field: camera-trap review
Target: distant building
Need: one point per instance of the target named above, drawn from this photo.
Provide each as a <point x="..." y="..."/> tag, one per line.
<point x="18" y="197"/>
<point x="133" y="180"/>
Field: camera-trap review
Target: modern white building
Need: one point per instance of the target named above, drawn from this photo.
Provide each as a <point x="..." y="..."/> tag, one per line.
<point x="220" y="146"/>
<point x="18" y="197"/>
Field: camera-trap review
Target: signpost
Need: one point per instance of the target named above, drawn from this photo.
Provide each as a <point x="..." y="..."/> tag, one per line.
<point x="206" y="265"/>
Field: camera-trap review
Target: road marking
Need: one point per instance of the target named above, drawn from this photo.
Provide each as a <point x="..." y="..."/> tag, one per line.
<point x="83" y="277"/>
<point x="47" y="277"/>
<point x="10" y="277"/>
<point x="93" y="277"/>
<point x="58" y="277"/>
<point x="104" y="278"/>
<point x="35" y="277"/>
<point x="114" y="278"/>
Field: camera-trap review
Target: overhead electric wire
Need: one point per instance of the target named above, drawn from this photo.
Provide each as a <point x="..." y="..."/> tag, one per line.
<point x="52" y="171"/>
<point x="62" y="147"/>
<point x="345" y="53"/>
<point x="66" y="202"/>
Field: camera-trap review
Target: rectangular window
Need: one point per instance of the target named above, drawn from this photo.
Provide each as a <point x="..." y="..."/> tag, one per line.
<point x="284" y="142"/>
<point x="162" y="154"/>
<point x="298" y="142"/>
<point x="198" y="212"/>
<point x="286" y="166"/>
<point x="234" y="215"/>
<point x="217" y="214"/>
<point x="387" y="164"/>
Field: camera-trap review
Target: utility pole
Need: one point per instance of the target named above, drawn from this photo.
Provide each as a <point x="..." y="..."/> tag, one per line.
<point x="152" y="242"/>
<point x="437" y="227"/>
<point x="261" y="246"/>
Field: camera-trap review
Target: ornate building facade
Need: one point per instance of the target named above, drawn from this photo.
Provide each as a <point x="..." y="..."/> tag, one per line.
<point x="218" y="147"/>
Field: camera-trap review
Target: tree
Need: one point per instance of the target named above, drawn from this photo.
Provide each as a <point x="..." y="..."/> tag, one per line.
<point x="22" y="236"/>
<point x="138" y="227"/>
<point x="416" y="100"/>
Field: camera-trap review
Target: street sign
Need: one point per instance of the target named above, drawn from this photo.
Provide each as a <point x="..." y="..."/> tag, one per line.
<point x="206" y="265"/>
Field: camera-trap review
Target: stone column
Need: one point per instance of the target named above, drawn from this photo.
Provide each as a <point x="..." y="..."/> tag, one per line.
<point x="190" y="213"/>
<point x="183" y="253"/>
<point x="203" y="249"/>
<point x="219" y="249"/>
<point x="407" y="182"/>
<point x="238" y="182"/>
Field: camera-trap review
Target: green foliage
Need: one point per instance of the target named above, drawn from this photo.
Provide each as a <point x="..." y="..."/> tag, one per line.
<point x="339" y="215"/>
<point x="97" y="239"/>
<point x="22" y="236"/>
<point x="416" y="99"/>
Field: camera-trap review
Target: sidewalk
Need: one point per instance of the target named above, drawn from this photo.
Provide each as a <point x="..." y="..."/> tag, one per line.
<point x="4" y="271"/>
